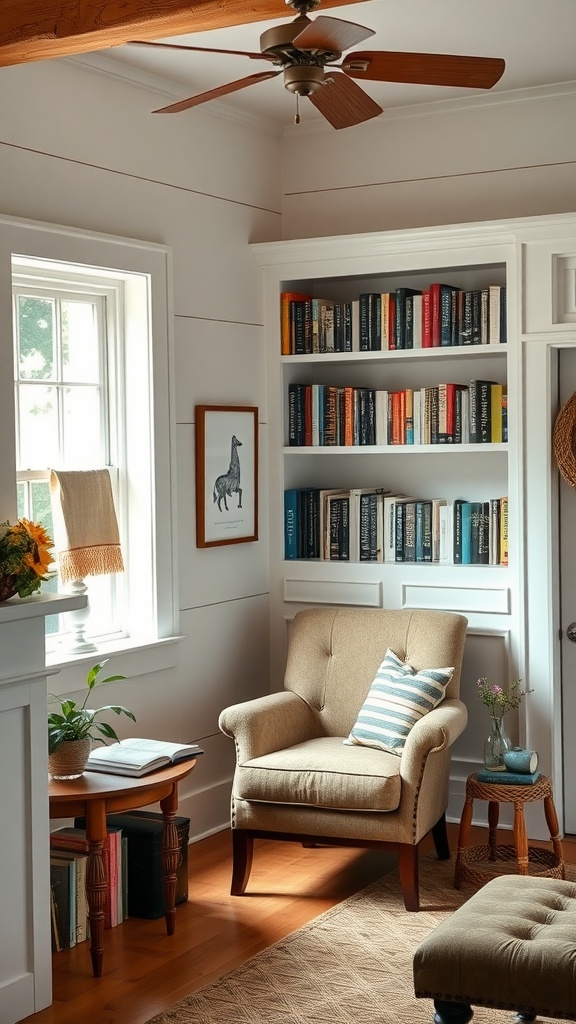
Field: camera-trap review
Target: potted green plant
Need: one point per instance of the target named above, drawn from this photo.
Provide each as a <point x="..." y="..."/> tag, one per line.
<point x="72" y="729"/>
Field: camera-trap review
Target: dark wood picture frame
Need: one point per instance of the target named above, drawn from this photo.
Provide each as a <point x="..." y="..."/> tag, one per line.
<point x="226" y="475"/>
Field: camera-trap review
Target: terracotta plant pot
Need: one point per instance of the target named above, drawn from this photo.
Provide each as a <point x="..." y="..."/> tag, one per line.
<point x="69" y="760"/>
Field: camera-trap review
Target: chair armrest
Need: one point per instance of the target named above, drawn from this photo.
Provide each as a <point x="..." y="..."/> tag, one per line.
<point x="437" y="731"/>
<point x="268" y="723"/>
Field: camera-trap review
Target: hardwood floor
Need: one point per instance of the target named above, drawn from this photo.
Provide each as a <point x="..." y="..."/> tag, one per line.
<point x="145" y="971"/>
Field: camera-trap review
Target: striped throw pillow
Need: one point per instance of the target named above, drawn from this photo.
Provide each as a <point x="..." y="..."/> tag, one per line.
<point x="398" y="698"/>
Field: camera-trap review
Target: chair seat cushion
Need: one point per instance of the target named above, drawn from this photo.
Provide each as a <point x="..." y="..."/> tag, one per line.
<point x="323" y="772"/>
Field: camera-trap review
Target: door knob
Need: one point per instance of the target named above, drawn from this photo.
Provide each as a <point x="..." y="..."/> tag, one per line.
<point x="571" y="632"/>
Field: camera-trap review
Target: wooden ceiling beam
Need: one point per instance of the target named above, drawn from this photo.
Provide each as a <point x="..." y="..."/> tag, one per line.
<point x="32" y="30"/>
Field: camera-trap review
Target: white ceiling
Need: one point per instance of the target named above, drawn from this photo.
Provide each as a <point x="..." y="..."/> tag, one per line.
<point x="537" y="39"/>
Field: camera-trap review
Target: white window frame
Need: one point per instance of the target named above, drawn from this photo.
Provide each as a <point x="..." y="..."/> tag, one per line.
<point x="146" y="273"/>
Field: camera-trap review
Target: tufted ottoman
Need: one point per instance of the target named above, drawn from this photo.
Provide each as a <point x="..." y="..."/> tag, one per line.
<point x="511" y="946"/>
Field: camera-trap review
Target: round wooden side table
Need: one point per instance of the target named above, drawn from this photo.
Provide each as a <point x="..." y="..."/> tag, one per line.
<point x="478" y="864"/>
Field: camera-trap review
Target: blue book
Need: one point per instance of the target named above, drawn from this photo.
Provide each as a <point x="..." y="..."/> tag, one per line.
<point x="507" y="778"/>
<point x="466" y="533"/>
<point x="291" y="523"/>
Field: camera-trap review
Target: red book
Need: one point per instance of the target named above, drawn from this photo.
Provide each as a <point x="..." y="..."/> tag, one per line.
<point x="426" y="320"/>
<point x="435" y="318"/>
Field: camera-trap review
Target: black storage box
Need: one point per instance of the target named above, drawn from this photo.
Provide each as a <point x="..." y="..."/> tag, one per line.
<point x="143" y="829"/>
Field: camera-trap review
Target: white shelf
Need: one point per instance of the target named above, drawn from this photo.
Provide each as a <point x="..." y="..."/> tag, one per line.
<point x="39" y="604"/>
<point x="395" y="449"/>
<point x="401" y="355"/>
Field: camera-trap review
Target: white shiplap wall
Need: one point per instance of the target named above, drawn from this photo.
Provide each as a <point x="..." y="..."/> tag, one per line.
<point x="81" y="148"/>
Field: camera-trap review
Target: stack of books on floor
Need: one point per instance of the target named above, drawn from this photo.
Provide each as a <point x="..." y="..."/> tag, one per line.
<point x="68" y="865"/>
<point x="133" y="862"/>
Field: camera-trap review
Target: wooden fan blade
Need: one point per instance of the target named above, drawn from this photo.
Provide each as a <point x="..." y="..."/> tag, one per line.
<point x="425" y="68"/>
<point x="202" y="49"/>
<point x="213" y="94"/>
<point x="331" y="34"/>
<point x="342" y="105"/>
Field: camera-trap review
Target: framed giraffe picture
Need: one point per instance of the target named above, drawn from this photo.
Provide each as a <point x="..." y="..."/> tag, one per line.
<point x="226" y="475"/>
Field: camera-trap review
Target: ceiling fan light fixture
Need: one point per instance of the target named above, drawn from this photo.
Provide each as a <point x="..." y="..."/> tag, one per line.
<point x="303" y="79"/>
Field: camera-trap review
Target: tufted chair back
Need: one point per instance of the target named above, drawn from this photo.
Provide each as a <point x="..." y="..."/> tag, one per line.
<point x="334" y="653"/>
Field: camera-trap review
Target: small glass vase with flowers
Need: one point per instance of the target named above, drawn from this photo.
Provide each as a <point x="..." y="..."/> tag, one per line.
<point x="498" y="701"/>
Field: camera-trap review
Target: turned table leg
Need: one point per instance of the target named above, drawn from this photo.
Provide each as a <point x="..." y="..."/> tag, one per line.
<point x="520" y="838"/>
<point x="552" y="822"/>
<point x="493" y="818"/>
<point x="465" y="823"/>
<point x="96" y="881"/>
<point x="170" y="857"/>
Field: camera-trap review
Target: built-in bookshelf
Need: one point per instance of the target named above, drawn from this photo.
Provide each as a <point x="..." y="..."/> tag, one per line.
<point x="392" y="420"/>
<point x="369" y="394"/>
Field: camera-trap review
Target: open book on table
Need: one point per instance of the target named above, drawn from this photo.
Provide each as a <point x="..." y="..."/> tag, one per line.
<point x="139" y="756"/>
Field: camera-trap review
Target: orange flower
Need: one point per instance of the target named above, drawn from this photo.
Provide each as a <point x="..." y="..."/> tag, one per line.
<point x="39" y="558"/>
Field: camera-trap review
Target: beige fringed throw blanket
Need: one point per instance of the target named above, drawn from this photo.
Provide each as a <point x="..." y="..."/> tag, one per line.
<point x="85" y="524"/>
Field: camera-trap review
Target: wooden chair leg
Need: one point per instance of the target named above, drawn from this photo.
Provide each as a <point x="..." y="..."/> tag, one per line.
<point x="242" y="853"/>
<point x="408" y="867"/>
<point x="440" y="837"/>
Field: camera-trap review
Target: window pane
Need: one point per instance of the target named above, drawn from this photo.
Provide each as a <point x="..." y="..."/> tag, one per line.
<point x="36" y="319"/>
<point x="20" y="499"/>
<point x="38" y="427"/>
<point x="80" y="355"/>
<point x="83" y="446"/>
<point x="41" y="511"/>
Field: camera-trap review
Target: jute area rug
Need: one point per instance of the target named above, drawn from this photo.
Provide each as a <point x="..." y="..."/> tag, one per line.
<point x="351" y="965"/>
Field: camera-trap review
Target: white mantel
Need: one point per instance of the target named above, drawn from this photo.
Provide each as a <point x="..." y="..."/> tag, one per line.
<point x="26" y="962"/>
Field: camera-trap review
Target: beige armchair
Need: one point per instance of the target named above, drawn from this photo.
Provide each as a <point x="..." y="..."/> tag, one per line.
<point x="296" y="779"/>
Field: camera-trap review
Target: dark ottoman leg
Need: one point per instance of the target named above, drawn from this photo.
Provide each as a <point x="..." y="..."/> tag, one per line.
<point x="452" y="1013"/>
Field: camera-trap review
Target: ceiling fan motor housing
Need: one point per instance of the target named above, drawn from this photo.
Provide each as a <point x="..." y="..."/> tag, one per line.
<point x="278" y="39"/>
<point x="303" y="80"/>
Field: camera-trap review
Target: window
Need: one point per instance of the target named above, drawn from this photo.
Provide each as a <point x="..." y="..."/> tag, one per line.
<point x="91" y="321"/>
<point x="69" y="383"/>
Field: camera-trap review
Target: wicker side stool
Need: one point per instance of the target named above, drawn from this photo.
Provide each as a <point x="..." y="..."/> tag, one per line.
<point x="477" y="864"/>
<point x="511" y="946"/>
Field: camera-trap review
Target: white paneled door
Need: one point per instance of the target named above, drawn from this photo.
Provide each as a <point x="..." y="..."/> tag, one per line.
<point x="567" y="548"/>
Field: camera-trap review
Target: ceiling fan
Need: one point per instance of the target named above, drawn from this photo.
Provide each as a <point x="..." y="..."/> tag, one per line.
<point x="307" y="51"/>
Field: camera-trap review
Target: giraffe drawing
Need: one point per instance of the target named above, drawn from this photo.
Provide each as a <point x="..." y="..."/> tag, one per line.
<point x="229" y="483"/>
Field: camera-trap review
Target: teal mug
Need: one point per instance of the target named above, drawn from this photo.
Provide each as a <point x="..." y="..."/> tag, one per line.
<point x="525" y="762"/>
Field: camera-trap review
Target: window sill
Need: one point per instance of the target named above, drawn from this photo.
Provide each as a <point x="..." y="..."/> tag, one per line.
<point x="125" y="658"/>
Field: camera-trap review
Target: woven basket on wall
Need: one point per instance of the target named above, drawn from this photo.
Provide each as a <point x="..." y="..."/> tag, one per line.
<point x="563" y="440"/>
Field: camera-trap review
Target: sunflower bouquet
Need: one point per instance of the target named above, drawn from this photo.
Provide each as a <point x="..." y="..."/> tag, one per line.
<point x="24" y="558"/>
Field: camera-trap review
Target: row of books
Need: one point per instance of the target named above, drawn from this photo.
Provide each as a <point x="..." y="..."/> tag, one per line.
<point x="447" y="413"/>
<point x="406" y="318"/>
<point x="372" y="525"/>
<point x="68" y="867"/>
